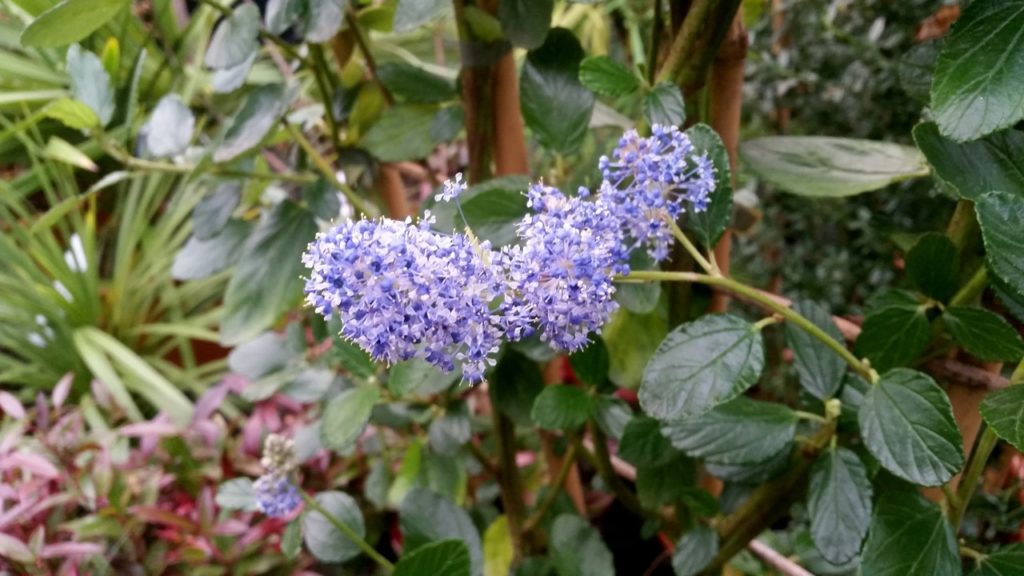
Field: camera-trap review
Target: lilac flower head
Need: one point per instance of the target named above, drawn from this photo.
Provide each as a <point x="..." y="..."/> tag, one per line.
<point x="649" y="179"/>
<point x="451" y="190"/>
<point x="276" y="496"/>
<point x="562" y="270"/>
<point x="403" y="291"/>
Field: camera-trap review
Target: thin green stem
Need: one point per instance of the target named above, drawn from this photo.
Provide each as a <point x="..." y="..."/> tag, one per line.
<point x="974" y="287"/>
<point x="978" y="460"/>
<point x="810" y="416"/>
<point x="319" y="72"/>
<point x="349" y="533"/>
<point x="364" y="47"/>
<point x="603" y="461"/>
<point x="972" y="554"/>
<point x="509" y="481"/>
<point x="765" y="301"/>
<point x="690" y="247"/>
<point x="325" y="169"/>
<point x="553" y="489"/>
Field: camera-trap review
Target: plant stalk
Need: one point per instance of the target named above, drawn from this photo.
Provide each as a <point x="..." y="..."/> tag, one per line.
<point x="349" y="533"/>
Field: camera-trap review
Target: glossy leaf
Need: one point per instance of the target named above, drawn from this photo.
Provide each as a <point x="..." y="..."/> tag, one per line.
<point x="607" y="76"/>
<point x="830" y="167"/>
<point x="708" y="226"/>
<point x="742" y="431"/>
<point x="917" y="67"/>
<point x="448" y="557"/>
<point x="235" y="38"/>
<point x="591" y="364"/>
<point x="1003" y="410"/>
<point x="667" y="484"/>
<point x="200" y="259"/>
<point x="401" y="134"/>
<point x="664" y="105"/>
<point x="1006" y="561"/>
<point x="492" y="209"/>
<point x="90" y="83"/>
<point x="324" y="19"/>
<point x="894" y="336"/>
<point x="932" y="264"/>
<point x="247" y="128"/>
<point x="819" y="367"/>
<point x="979" y="79"/>
<point x="612" y="415"/>
<point x="839" y="504"/>
<point x="561" y="407"/>
<point x="324" y="541"/>
<point x="450" y="432"/>
<point x="414" y="84"/>
<point x="984" y="334"/>
<point x="695" y="550"/>
<point x="577" y="548"/>
<point x="213" y="212"/>
<point x="345" y="417"/>
<point x="279" y="15"/>
<point x="169" y="128"/>
<point x="228" y="80"/>
<point x="555" y="105"/>
<point x="907" y="425"/>
<point x="514" y="386"/>
<point x="909" y="535"/>
<point x="526" y="22"/>
<point x="258" y="293"/>
<point x="995" y="162"/>
<point x="643" y="444"/>
<point x="1001" y="216"/>
<point x="70" y="21"/>
<point x="770" y="466"/>
<point x="700" y="365"/>
<point x="425" y="517"/>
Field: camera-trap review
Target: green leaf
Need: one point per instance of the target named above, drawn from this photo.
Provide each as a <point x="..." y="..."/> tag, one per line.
<point x="917" y="67"/>
<point x="743" y="431"/>
<point x="228" y="80"/>
<point x="418" y="376"/>
<point x="606" y="76"/>
<point x="664" y="105"/>
<point x="401" y="134"/>
<point x="414" y="84"/>
<point x="612" y="415"/>
<point x="70" y="21"/>
<point x="752" y="473"/>
<point x="62" y="151"/>
<point x="324" y="19"/>
<point x="577" y="550"/>
<point x="169" y="128"/>
<point x="90" y="83"/>
<point x="235" y="38"/>
<point x="984" y="334"/>
<point x="1006" y="561"/>
<point x="820" y="369"/>
<point x="410" y="14"/>
<point x="200" y="259"/>
<point x="499" y="552"/>
<point x="591" y="364"/>
<point x="447" y="557"/>
<point x="632" y="340"/>
<point x="447" y="123"/>
<point x="639" y="297"/>
<point x="643" y="444"/>
<point x="909" y="535"/>
<point x="1003" y="410"/>
<point x="561" y="407"/>
<point x="425" y="517"/>
<point x="345" y="417"/>
<point x="483" y="25"/>
<point x="215" y="208"/>
<point x="709" y="225"/>
<point x="700" y="365"/>
<point x="237" y="494"/>
<point x="492" y="210"/>
<point x="526" y="22"/>
<point x="695" y="551"/>
<point x="932" y="265"/>
<point x="282" y="14"/>
<point x="72" y="113"/>
<point x="291" y="540"/>
<point x="258" y="294"/>
<point x="827" y="167"/>
<point x="247" y="128"/>
<point x="995" y="162"/>
<point x="322" y="199"/>
<point x="1001" y="216"/>
<point x="324" y="541"/>
<point x="555" y="105"/>
<point x="979" y="79"/>
<point x="667" y="484"/>
<point x="894" y="336"/>
<point x="839" y="504"/>
<point x="514" y="386"/>
<point x="450" y="432"/>
<point x="907" y="424"/>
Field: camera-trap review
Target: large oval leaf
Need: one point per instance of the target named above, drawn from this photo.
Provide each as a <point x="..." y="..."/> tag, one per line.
<point x="235" y="38"/>
<point x="995" y="162"/>
<point x="839" y="504"/>
<point x="820" y="369"/>
<point x="447" y="557"/>
<point x="743" y="431"/>
<point x="831" y="167"/>
<point x="907" y="424"/>
<point x="70" y="21"/>
<point x="577" y="549"/>
<point x="909" y="536"/>
<point x="426" y="516"/>
<point x="700" y="365"/>
<point x="1003" y="410"/>
<point x="984" y="334"/>
<point x="258" y="114"/>
<point x="1001" y="216"/>
<point x="555" y="105"/>
<point x="894" y="336"/>
<point x="979" y="80"/>
<point x="325" y="541"/>
<point x="346" y="416"/>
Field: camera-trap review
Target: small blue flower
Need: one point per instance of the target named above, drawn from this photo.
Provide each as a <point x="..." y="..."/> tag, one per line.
<point x="451" y="190"/>
<point x="275" y="495"/>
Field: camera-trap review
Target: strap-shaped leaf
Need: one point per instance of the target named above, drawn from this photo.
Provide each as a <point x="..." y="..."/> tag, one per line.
<point x="907" y="424"/>
<point x="701" y="365"/>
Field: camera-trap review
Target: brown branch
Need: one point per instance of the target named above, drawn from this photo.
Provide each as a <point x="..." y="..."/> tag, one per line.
<point x="769" y="556"/>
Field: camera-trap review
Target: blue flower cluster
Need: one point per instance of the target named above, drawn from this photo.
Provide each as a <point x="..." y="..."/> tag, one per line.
<point x="647" y="180"/>
<point x="403" y="291"/>
<point x="276" y="496"/>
